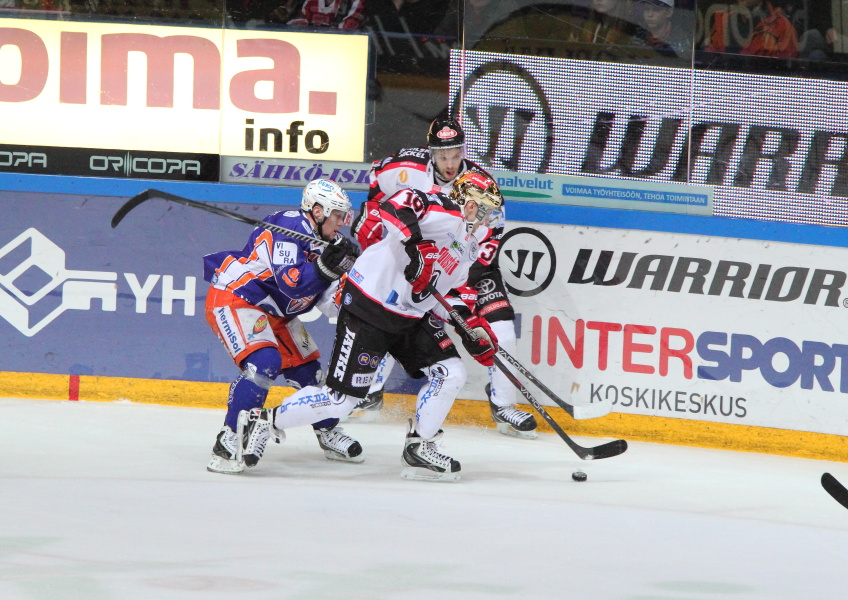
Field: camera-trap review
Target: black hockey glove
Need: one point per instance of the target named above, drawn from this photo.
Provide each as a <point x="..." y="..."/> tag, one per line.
<point x="337" y="259"/>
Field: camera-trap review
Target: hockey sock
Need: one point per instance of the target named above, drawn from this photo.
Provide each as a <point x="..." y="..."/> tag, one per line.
<point x="503" y="393"/>
<point x="251" y="387"/>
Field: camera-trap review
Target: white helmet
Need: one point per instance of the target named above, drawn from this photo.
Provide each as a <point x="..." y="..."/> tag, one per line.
<point x="328" y="195"/>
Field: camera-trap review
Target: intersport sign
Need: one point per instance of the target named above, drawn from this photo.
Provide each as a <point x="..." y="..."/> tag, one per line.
<point x="180" y="89"/>
<point x="687" y="326"/>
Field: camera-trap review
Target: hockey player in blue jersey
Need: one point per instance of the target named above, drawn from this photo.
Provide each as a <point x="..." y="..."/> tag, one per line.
<point x="253" y="304"/>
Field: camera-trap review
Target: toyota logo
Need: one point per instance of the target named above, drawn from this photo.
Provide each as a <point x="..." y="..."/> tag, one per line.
<point x="485" y="286"/>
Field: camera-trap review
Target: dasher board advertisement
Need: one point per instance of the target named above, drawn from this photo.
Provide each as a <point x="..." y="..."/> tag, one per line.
<point x="773" y="147"/>
<point x="183" y="89"/>
<point x="686" y="326"/>
<point x="81" y="298"/>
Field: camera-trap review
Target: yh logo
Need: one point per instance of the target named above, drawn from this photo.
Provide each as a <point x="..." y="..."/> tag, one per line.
<point x="39" y="271"/>
<point x="46" y="261"/>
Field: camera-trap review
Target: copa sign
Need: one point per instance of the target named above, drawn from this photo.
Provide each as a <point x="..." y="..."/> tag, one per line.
<point x="182" y="89"/>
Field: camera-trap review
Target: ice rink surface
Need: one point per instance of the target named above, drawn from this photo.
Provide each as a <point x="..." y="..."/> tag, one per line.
<point x="112" y="501"/>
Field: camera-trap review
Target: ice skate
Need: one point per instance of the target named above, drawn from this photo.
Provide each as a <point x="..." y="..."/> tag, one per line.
<point x="255" y="427"/>
<point x="422" y="460"/>
<point x="337" y="445"/>
<point x="225" y="453"/>
<point x="512" y="421"/>
<point x="368" y="409"/>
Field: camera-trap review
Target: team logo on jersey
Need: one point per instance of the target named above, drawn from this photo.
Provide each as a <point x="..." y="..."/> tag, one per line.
<point x="299" y="304"/>
<point x="260" y="324"/>
<point x="447" y="262"/>
<point x="291" y="277"/>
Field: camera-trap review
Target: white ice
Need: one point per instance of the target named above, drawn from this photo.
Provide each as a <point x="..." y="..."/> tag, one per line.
<point x="112" y="501"/>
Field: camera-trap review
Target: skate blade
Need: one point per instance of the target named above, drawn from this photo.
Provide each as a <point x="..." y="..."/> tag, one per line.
<point x="342" y="458"/>
<point x="365" y="416"/>
<point x="507" y="429"/>
<point x="421" y="474"/>
<point x="226" y="466"/>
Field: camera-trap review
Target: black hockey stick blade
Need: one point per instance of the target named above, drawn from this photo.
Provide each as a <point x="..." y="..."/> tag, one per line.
<point x="148" y="194"/>
<point x="606" y="450"/>
<point x="832" y="486"/>
<point x="129" y="205"/>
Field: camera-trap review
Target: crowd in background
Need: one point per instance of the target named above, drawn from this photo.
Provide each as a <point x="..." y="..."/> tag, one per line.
<point x="806" y="29"/>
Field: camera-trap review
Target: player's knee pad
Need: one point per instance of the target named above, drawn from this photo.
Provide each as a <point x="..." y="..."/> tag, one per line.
<point x="259" y="370"/>
<point x="303" y="375"/>
<point x="446" y="378"/>
<point x="262" y="367"/>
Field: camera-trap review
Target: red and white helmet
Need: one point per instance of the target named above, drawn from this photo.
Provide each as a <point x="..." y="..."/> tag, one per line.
<point x="327" y="194"/>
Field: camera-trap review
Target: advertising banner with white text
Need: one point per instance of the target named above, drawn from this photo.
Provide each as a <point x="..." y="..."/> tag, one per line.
<point x="774" y="147"/>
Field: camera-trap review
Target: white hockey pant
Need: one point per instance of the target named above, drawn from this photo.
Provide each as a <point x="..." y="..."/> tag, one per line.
<point x="503" y="392"/>
<point x="311" y="405"/>
<point x="435" y="399"/>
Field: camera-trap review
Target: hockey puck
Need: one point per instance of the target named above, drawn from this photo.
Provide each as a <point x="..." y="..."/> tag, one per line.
<point x="579" y="476"/>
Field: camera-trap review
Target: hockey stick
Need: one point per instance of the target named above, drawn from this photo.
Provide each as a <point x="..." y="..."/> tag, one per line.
<point x="148" y="194"/>
<point x="606" y="450"/>
<point x="832" y="486"/>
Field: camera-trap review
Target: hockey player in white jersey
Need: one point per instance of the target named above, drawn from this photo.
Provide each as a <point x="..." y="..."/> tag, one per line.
<point x="386" y="307"/>
<point x="254" y="300"/>
<point x="430" y="169"/>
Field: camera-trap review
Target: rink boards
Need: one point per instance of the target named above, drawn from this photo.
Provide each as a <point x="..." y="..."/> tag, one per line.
<point x="699" y="330"/>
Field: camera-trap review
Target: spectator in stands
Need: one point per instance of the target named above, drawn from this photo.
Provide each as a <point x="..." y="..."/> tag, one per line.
<point x="338" y="14"/>
<point x="609" y="22"/>
<point x="820" y="31"/>
<point x="659" y="31"/>
<point x="753" y="27"/>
